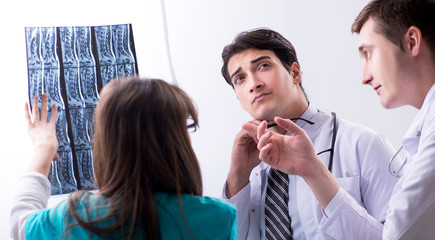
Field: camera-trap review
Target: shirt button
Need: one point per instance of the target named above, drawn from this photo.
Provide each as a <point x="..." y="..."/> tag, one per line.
<point x="418" y="134"/>
<point x="256" y="174"/>
<point x="253" y="210"/>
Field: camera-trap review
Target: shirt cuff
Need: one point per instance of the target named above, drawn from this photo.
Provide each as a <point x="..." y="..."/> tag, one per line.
<point x="335" y="202"/>
<point x="224" y="195"/>
<point x="242" y="194"/>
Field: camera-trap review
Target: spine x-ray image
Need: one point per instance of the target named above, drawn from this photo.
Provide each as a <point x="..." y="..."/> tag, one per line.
<point x="71" y="65"/>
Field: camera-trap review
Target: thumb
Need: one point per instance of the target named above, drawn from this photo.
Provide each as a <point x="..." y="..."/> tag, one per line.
<point x="288" y="125"/>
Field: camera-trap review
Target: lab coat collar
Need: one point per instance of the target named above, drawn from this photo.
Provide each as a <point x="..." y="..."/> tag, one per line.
<point x="319" y="118"/>
<point x="412" y="136"/>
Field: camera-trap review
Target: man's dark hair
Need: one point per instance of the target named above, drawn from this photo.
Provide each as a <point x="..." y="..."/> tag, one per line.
<point x="395" y="17"/>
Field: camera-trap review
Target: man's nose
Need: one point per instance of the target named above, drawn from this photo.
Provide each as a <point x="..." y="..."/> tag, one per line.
<point x="366" y="75"/>
<point x="255" y="84"/>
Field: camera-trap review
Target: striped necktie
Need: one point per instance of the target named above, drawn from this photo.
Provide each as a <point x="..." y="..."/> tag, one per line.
<point x="277" y="219"/>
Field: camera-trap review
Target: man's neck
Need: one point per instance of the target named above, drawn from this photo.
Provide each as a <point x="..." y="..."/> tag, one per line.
<point x="295" y="116"/>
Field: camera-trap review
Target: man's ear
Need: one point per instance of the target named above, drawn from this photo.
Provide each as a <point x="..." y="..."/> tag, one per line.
<point x="412" y="41"/>
<point x="295" y="73"/>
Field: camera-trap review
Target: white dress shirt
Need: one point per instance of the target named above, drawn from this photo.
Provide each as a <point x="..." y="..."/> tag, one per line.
<point x="360" y="166"/>
<point x="411" y="211"/>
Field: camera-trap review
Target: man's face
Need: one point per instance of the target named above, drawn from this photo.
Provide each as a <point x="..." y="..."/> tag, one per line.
<point x="383" y="66"/>
<point x="264" y="87"/>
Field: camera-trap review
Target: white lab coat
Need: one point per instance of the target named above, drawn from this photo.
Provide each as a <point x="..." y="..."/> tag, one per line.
<point x="360" y="166"/>
<point x="411" y="212"/>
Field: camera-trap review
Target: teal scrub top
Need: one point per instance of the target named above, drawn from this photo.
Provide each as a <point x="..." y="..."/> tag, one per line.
<point x="206" y="217"/>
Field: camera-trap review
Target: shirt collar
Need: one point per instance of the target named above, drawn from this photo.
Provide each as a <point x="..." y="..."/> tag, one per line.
<point x="308" y="114"/>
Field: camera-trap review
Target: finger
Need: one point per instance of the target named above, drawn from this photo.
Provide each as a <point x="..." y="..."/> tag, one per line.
<point x="289" y="126"/>
<point x="53" y="116"/>
<point x="35" y="108"/>
<point x="254" y="122"/>
<point x="56" y="157"/>
<point x="261" y="130"/>
<point x="27" y="115"/>
<point x="44" y="107"/>
<point x="251" y="130"/>
<point x="264" y="140"/>
<point x="264" y="154"/>
<point x="250" y="127"/>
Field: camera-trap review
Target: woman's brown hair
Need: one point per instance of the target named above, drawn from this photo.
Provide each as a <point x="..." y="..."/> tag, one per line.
<point x="141" y="146"/>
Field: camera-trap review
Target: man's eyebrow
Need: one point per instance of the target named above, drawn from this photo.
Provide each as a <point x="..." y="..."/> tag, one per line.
<point x="259" y="59"/>
<point x="237" y="71"/>
<point x="362" y="47"/>
<point x="252" y="62"/>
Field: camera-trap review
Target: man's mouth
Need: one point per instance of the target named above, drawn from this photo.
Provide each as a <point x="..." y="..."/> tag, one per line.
<point x="259" y="97"/>
<point x="377" y="89"/>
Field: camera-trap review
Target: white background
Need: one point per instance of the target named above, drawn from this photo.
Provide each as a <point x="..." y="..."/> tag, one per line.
<point x="197" y="32"/>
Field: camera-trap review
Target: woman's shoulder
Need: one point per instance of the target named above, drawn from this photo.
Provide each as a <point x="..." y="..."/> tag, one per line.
<point x="208" y="202"/>
<point x="197" y="202"/>
<point x="197" y="207"/>
<point x="206" y="217"/>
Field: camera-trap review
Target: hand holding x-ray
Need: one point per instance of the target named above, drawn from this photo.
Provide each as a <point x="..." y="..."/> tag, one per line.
<point x="43" y="135"/>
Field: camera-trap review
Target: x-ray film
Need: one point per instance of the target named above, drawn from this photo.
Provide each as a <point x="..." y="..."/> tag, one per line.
<point x="72" y="64"/>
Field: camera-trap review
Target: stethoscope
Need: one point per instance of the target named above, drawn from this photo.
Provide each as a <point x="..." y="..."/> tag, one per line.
<point x="334" y="137"/>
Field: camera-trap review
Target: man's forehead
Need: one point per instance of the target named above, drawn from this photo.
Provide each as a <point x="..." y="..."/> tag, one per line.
<point x="367" y="32"/>
<point x="254" y="52"/>
<point x="249" y="55"/>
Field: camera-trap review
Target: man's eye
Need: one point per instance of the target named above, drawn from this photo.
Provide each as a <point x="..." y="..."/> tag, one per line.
<point x="366" y="53"/>
<point x="238" y="79"/>
<point x="262" y="66"/>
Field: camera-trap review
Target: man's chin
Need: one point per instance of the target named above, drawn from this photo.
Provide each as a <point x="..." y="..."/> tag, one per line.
<point x="263" y="117"/>
<point x="389" y="104"/>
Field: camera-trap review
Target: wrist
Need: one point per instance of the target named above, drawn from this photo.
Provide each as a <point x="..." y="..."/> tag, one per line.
<point x="314" y="171"/>
<point x="236" y="181"/>
<point x="40" y="161"/>
<point x="322" y="183"/>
